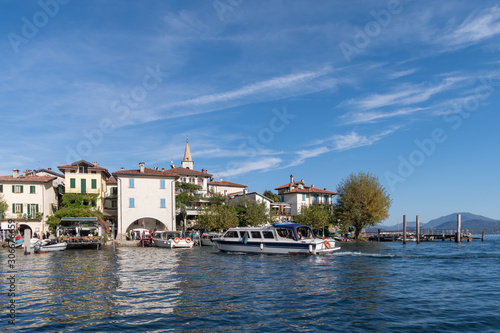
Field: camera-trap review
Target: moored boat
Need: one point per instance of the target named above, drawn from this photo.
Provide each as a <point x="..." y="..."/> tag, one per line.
<point x="50" y="248"/>
<point x="171" y="239"/>
<point x="207" y="238"/>
<point x="279" y="238"/>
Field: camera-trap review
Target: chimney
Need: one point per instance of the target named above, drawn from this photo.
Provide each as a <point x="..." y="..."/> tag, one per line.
<point x="141" y="167"/>
<point x="324" y="189"/>
<point x="291" y="178"/>
<point x="172" y="165"/>
<point x="15" y="173"/>
<point x="221" y="179"/>
<point x="203" y="170"/>
<point x="156" y="168"/>
<point x="122" y="168"/>
<point x="24" y="173"/>
<point x="49" y="169"/>
<point x="95" y="163"/>
<point x="312" y="185"/>
<point x="302" y="181"/>
<point x="162" y="169"/>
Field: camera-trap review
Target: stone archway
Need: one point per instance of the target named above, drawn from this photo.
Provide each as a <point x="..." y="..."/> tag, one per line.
<point x="147" y="223"/>
<point x="23" y="227"/>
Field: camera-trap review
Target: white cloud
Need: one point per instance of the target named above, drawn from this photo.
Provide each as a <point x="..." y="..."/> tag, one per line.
<point x="239" y="168"/>
<point x="397" y="75"/>
<point x="372" y="116"/>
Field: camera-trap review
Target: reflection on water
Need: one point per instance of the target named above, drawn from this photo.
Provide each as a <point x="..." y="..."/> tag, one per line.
<point x="363" y="287"/>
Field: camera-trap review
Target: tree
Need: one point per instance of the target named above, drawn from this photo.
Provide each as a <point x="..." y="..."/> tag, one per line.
<point x="269" y="194"/>
<point x="4" y="206"/>
<point x="75" y="205"/>
<point x="186" y="196"/>
<point x="252" y="213"/>
<point x="218" y="217"/>
<point x="317" y="216"/>
<point x="361" y="202"/>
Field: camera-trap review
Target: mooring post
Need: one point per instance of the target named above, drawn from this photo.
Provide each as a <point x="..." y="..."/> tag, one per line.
<point x="378" y="235"/>
<point x="482" y="237"/>
<point x="418" y="230"/>
<point x="458" y="239"/>
<point x="27" y="241"/>
<point x="404" y="229"/>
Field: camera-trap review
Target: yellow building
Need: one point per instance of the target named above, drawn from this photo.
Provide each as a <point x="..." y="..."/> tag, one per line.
<point x="84" y="177"/>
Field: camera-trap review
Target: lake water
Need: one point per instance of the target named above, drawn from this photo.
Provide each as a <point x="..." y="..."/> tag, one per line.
<point x="364" y="287"/>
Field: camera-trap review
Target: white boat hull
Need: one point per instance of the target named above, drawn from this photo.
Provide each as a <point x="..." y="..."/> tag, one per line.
<point x="51" y="248"/>
<point x="277" y="247"/>
<point x="170" y="243"/>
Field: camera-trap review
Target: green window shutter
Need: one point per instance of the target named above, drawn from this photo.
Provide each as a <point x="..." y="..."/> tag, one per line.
<point x="13" y="188"/>
<point x="94" y="183"/>
<point x="32" y="189"/>
<point x="21" y="188"/>
<point x="22" y="208"/>
<point x="83" y="186"/>
<point x="72" y="183"/>
<point x="36" y="208"/>
<point x="13" y="208"/>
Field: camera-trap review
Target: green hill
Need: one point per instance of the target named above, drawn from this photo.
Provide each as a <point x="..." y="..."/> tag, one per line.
<point x="474" y="226"/>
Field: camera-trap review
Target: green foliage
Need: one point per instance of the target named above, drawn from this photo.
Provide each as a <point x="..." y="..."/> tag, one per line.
<point x="186" y="195"/>
<point x="74" y="205"/>
<point x="269" y="194"/>
<point x="3" y="205"/>
<point x="317" y="216"/>
<point x="218" y="217"/>
<point x="251" y="213"/>
<point x="361" y="202"/>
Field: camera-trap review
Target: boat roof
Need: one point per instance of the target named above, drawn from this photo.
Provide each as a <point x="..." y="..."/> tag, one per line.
<point x="290" y="225"/>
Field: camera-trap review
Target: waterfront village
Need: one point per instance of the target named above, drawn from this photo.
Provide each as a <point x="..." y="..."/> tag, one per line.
<point x="132" y="199"/>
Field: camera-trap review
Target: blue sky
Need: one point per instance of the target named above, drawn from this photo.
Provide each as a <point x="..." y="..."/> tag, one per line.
<point x="406" y="90"/>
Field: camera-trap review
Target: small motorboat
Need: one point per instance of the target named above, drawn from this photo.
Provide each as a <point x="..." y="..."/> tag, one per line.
<point x="18" y="242"/>
<point x="171" y="239"/>
<point x="50" y="248"/>
<point x="207" y="237"/>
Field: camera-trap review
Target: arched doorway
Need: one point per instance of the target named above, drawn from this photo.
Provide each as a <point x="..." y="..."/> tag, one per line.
<point x="23" y="227"/>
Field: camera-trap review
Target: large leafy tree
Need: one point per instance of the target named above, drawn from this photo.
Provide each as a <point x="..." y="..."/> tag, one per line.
<point x="361" y="202"/>
<point x="74" y="205"/>
<point x="317" y="216"/>
<point x="273" y="196"/>
<point x="218" y="217"/>
<point x="252" y="213"/>
<point x="3" y="205"/>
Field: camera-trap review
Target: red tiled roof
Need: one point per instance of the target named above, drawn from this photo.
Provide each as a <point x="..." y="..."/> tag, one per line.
<point x="310" y="190"/>
<point x="295" y="184"/>
<point x="225" y="183"/>
<point x="188" y="172"/>
<point x="89" y="165"/>
<point x="27" y="179"/>
<point x="112" y="180"/>
<point x="147" y="172"/>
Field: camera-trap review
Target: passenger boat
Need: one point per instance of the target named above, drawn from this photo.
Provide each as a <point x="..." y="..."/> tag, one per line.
<point x="279" y="238"/>
<point x="207" y="238"/>
<point x="50" y="248"/>
<point x="171" y="239"/>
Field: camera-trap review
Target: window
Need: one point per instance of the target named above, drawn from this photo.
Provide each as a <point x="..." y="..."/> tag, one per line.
<point x="32" y="189"/>
<point x="32" y="210"/>
<point x="282" y="198"/>
<point x="162" y="183"/>
<point x="83" y="169"/>
<point x="17" y="188"/>
<point x="17" y="208"/>
<point x="131" y="183"/>
<point x="268" y="234"/>
<point x="72" y="183"/>
<point x="93" y="172"/>
<point x="72" y="171"/>
<point x="231" y="234"/>
<point x="131" y="202"/>
<point x="114" y="204"/>
<point x="1" y="188"/>
<point x="303" y="197"/>
<point x="162" y="203"/>
<point x="94" y="183"/>
<point x="255" y="234"/>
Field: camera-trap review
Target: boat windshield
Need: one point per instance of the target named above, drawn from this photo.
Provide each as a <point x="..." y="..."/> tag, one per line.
<point x="305" y="232"/>
<point x="285" y="233"/>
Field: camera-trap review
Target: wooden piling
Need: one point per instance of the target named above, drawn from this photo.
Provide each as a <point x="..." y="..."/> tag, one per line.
<point x="418" y="230"/>
<point x="27" y="241"/>
<point x="458" y="239"/>
<point x="404" y="229"/>
<point x="482" y="237"/>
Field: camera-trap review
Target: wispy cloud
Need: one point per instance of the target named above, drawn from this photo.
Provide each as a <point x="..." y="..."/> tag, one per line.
<point x="372" y="116"/>
<point x="239" y="168"/>
<point x="397" y="75"/>
<point x="476" y="28"/>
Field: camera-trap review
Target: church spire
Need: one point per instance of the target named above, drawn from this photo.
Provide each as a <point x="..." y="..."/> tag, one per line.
<point x="188" y="161"/>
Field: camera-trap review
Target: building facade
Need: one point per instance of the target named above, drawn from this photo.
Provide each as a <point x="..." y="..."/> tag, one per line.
<point x="146" y="199"/>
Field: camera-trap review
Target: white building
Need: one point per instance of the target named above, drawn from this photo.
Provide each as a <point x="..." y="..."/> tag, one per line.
<point x="225" y="188"/>
<point x="299" y="195"/>
<point x="31" y="199"/>
<point x="146" y="199"/>
<point x="255" y="196"/>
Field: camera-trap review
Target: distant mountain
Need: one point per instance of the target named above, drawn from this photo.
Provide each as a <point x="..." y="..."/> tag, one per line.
<point x="453" y="217"/>
<point x="473" y="226"/>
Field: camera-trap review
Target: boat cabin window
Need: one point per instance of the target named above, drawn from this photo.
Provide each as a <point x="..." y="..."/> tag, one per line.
<point x="255" y="234"/>
<point x="268" y="234"/>
<point x="285" y="233"/>
<point x="243" y="233"/>
<point x="305" y="232"/>
<point x="231" y="234"/>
